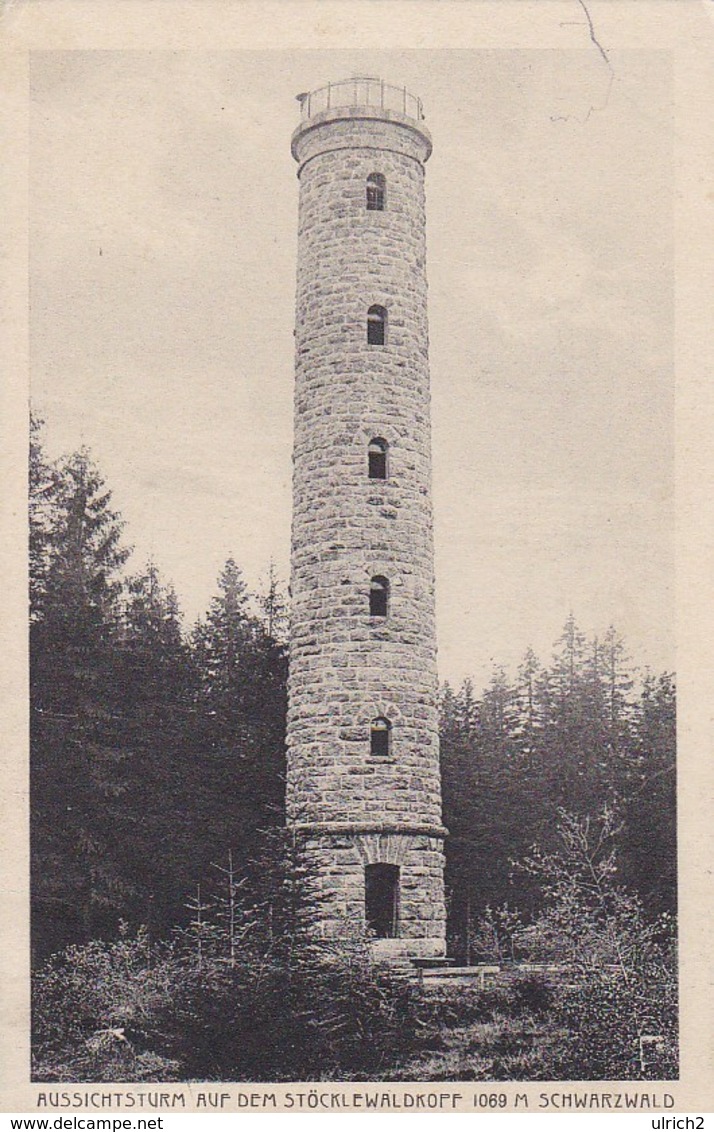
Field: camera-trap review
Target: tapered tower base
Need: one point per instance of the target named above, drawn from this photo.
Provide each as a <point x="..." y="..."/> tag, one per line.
<point x="388" y="883"/>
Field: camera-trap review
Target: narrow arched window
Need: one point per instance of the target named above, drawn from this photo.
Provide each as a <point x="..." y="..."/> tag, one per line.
<point x="380" y="737"/>
<point x="377" y="458"/>
<point x="376" y="326"/>
<point x="376" y="192"/>
<point x="378" y="596"/>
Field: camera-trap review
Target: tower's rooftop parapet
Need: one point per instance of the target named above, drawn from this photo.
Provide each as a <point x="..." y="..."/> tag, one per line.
<point x="361" y="91"/>
<point x="362" y="98"/>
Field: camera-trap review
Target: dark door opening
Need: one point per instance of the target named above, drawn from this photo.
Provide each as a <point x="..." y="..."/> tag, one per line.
<point x="381" y="900"/>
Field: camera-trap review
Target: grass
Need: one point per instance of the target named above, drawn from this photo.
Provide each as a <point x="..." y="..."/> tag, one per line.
<point x="527" y="1028"/>
<point x="501" y="1033"/>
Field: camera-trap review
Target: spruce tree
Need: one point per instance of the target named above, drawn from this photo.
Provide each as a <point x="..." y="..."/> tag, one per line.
<point x="155" y="700"/>
<point x="241" y="707"/>
<point x="42" y="487"/>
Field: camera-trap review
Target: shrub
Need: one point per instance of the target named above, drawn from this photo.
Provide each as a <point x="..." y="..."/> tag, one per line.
<point x="323" y="1015"/>
<point x="94" y="1009"/>
<point x="531" y="993"/>
<point x="126" y="1011"/>
<point x="605" y="1028"/>
<point x="622" y="988"/>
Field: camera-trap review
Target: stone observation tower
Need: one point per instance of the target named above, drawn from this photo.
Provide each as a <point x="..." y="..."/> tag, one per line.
<point x="363" y="743"/>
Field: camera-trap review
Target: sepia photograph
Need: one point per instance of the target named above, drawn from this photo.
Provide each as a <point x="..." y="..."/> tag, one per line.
<point x="352" y="688"/>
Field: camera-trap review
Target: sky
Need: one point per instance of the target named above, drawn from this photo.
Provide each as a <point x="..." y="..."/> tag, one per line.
<point x="163" y="208"/>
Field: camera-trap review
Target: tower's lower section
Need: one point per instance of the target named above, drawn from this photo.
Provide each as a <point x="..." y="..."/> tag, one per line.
<point x="387" y="881"/>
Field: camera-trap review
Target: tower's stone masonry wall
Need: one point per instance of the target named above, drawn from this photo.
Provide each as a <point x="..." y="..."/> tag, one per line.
<point x="346" y="667"/>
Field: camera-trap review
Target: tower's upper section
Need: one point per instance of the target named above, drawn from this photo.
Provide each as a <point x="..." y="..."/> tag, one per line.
<point x="359" y="101"/>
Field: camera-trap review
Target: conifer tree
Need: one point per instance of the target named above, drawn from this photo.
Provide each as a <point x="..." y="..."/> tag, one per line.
<point x="86" y="556"/>
<point x="225" y="647"/>
<point x="274" y="608"/>
<point x="241" y="704"/>
<point x="156" y="702"/>
<point x="531" y="722"/>
<point x="42" y="485"/>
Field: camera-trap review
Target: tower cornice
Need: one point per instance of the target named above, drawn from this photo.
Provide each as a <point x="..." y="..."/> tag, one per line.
<point x="358" y="114"/>
<point x="414" y="829"/>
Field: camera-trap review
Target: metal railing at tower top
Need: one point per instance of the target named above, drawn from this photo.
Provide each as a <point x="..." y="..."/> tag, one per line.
<point x="360" y="92"/>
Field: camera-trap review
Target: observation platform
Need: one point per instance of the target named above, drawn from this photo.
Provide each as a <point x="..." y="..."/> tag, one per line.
<point x="363" y="91"/>
<point x="362" y="98"/>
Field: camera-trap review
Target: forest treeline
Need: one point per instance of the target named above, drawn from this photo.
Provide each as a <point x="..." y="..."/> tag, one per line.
<point x="583" y="734"/>
<point x="153" y="750"/>
<point x="157" y="749"/>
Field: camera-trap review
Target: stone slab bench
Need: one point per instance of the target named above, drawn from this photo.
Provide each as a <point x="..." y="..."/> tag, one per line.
<point x="438" y="970"/>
